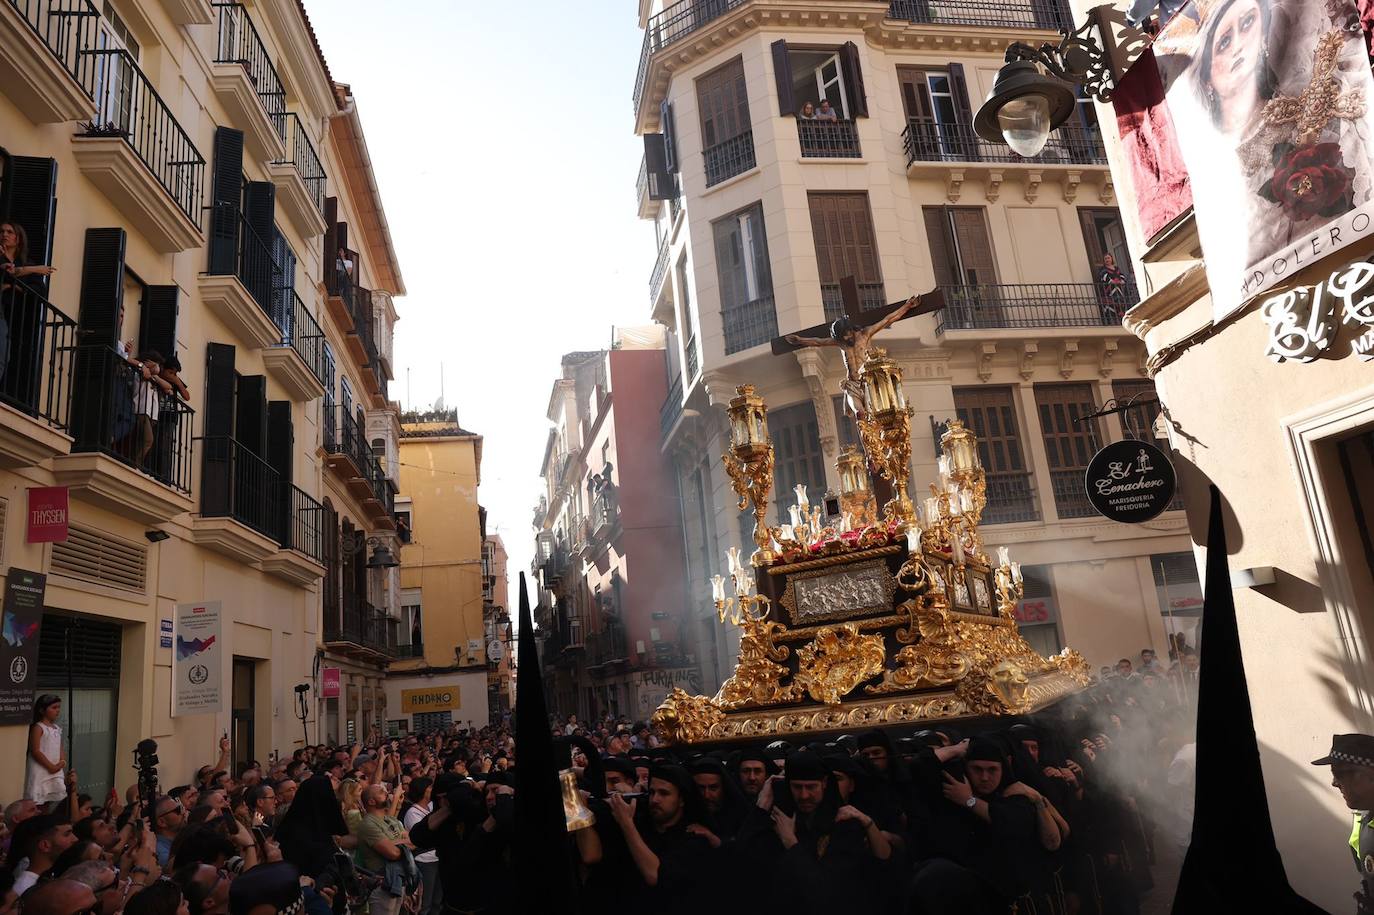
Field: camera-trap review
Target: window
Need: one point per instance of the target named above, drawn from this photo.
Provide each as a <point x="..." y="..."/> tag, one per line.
<point x="842" y="227"/>
<point x="939" y="117"/>
<point x="1069" y="443"/>
<point x="799" y="459"/>
<point x="990" y="413"/>
<point x="687" y="318"/>
<point x="1103" y="234"/>
<point x="114" y="72"/>
<point x="746" y="280"/>
<point x="960" y="249"/>
<point x="1037" y="614"/>
<point x="1180" y="598"/>
<point x="727" y="137"/>
<point x="808" y="75"/>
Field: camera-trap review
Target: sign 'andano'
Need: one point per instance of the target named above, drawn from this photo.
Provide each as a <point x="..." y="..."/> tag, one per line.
<point x="429" y="699"/>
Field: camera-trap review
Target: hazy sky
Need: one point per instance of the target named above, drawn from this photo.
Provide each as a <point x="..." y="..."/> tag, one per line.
<point x="502" y="139"/>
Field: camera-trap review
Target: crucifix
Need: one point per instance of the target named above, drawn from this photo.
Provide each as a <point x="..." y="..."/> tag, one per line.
<point x="852" y="334"/>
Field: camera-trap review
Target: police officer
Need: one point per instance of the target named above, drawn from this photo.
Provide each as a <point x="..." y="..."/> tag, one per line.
<point x="1352" y="772"/>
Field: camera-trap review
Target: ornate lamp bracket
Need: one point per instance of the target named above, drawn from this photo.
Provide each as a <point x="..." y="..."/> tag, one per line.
<point x="1076" y="59"/>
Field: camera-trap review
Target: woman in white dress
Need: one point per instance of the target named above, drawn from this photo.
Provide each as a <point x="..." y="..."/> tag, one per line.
<point x="44" y="782"/>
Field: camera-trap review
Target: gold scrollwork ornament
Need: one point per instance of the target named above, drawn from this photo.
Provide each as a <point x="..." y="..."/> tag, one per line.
<point x="684" y="718"/>
<point x="837" y="661"/>
<point x="757" y="679"/>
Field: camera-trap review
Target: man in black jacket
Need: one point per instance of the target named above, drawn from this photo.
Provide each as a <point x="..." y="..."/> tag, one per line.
<point x="668" y="844"/>
<point x="472" y="834"/>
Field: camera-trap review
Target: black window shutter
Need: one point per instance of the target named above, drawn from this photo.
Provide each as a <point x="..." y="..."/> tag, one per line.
<point x="33" y="204"/>
<point x="669" y="128"/>
<point x="259" y="267"/>
<point x="854" y="80"/>
<point x="281" y="438"/>
<point x="661" y="183"/>
<point x="102" y="286"/>
<point x="216" y="455"/>
<point x="226" y="190"/>
<point x="157" y="329"/>
<point x="341" y="234"/>
<point x="219" y="390"/>
<point x="960" y="86"/>
<point x="251" y="418"/>
<point x="782" y="72"/>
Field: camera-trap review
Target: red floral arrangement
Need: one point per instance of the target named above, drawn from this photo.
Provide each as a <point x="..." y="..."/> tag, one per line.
<point x="1309" y="181"/>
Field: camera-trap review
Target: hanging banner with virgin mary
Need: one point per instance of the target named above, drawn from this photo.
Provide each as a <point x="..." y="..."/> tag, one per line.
<point x="1272" y="103"/>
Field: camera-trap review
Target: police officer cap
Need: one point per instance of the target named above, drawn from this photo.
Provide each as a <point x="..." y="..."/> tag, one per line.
<point x="1354" y="749"/>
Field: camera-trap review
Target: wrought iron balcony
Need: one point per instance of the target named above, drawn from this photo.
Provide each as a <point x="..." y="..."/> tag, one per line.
<point x="828" y="139"/>
<point x="674" y="23"/>
<point x="68" y="29"/>
<point x="304" y="528"/>
<point x="300" y="331"/>
<point x="237" y="483"/>
<point x="672" y="408"/>
<point x="111" y="414"/>
<point x="411" y="650"/>
<point x="728" y="158"/>
<point x="660" y="271"/>
<point x="871" y="295"/>
<point x="344" y="437"/>
<point x="1033" y="305"/>
<point x="605" y="513"/>
<point x="751" y="324"/>
<point x="128" y="107"/>
<point x="689" y="349"/>
<point x="254" y="264"/>
<point x="360" y="628"/>
<point x="928" y="141"/>
<point x="1070" y="495"/>
<point x="1011" y="498"/>
<point x="300" y="152"/>
<point x="37" y="369"/>
<point x="239" y="43"/>
<point x="1021" y="14"/>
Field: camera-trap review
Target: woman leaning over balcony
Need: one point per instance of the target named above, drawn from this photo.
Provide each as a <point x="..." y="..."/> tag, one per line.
<point x="19" y="316"/>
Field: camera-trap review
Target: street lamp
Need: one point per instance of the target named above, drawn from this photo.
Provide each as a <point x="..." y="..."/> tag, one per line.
<point x="381" y="558"/>
<point x="1036" y="90"/>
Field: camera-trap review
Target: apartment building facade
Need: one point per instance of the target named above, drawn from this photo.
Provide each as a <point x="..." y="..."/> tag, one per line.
<point x="192" y="171"/>
<point x="496" y="624"/>
<point x="762" y="209"/>
<point x="441" y="675"/>
<point x="609" y="537"/>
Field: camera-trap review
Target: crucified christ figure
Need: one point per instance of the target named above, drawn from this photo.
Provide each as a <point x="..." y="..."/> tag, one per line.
<point x="854" y="342"/>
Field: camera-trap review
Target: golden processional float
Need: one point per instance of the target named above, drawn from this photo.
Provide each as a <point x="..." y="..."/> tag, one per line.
<point x="869" y="619"/>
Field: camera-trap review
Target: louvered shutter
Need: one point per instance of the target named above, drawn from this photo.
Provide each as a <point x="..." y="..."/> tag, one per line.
<point x="102" y="286"/>
<point x="782" y="74"/>
<point x="661" y="183"/>
<point x="968" y="145"/>
<point x="94" y="377"/>
<point x="854" y="80"/>
<point x="259" y="273"/>
<point x="250" y="420"/>
<point x="226" y="189"/>
<point x="157" y="329"/>
<point x="941" y="246"/>
<point x="216" y="449"/>
<point x="330" y="255"/>
<point x="281" y="444"/>
<point x="669" y="126"/>
<point x="33" y="204"/>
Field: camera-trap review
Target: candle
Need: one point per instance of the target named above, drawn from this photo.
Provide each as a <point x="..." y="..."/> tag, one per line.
<point x="1016" y="572"/>
<point x="932" y="510"/>
<point x="942" y="464"/>
<point x="1003" y="557"/>
<point x="966" y="501"/>
<point x="913" y="540"/>
<point x="786" y="533"/>
<point x="718" y="588"/>
<point x="741" y="582"/>
<point x="795" y="514"/>
<point x="958" y="543"/>
<point x="800" y="490"/>
<point x="952" y="493"/>
<point x="732" y="555"/>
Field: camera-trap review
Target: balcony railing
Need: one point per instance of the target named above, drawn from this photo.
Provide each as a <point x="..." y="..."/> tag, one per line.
<point x="1022" y="14"/>
<point x="928" y="141"/>
<point x="728" y="158"/>
<point x="363" y="625"/>
<point x="1033" y="305"/>
<point x="828" y="139"/>
<point x="112" y="407"/>
<point x="1011" y="498"/>
<point x="239" y="43"/>
<point x="300" y="152"/>
<point x="689" y="350"/>
<point x="411" y="650"/>
<point x="254" y="264"/>
<point x="304" y="528"/>
<point x="300" y="331"/>
<point x="343" y="436"/>
<point x="36" y="355"/>
<point x="871" y="295"/>
<point x="1070" y="496"/>
<point x="672" y="408"/>
<point x="236" y="483"/>
<point x="604" y="512"/>
<point x="660" y="271"/>
<point x="128" y="107"/>
<point x="751" y="324"/>
<point x="67" y="29"/>
<point x="674" y="23"/>
<point x="361" y="310"/>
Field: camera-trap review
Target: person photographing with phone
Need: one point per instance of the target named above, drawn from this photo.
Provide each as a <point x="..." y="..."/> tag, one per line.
<point x="383" y="847"/>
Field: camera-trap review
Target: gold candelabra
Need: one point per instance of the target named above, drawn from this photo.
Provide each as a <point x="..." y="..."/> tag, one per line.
<point x="744" y="607"/>
<point x="749" y="463"/>
<point x="856" y="498"/>
<point x="885" y="429"/>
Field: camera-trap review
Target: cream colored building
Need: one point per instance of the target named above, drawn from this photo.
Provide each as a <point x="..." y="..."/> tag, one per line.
<point x="440" y="677"/>
<point x="760" y="214"/>
<point x="192" y="170"/>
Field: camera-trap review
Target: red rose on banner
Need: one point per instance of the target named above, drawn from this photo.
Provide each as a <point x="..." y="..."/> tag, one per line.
<point x="1309" y="181"/>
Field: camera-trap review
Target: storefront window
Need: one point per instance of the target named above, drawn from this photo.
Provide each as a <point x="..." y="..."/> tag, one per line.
<point x="1180" y="599"/>
<point x="1037" y="615"/>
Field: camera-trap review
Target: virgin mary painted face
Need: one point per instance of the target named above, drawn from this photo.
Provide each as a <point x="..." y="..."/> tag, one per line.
<point x="1237" y="51"/>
